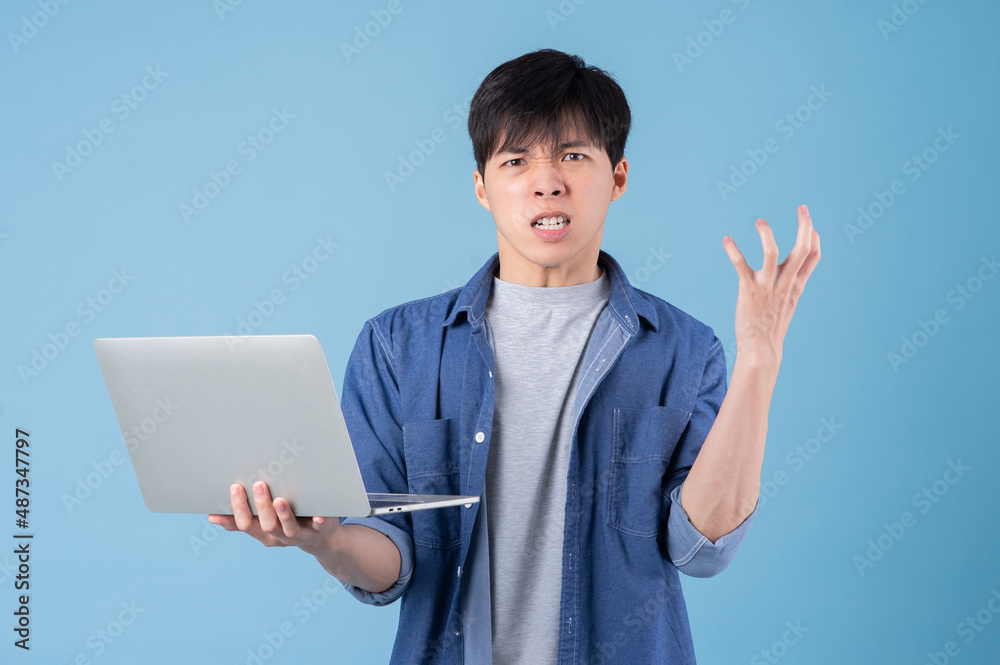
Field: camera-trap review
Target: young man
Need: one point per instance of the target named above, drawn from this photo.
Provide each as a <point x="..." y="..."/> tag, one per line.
<point x="588" y="415"/>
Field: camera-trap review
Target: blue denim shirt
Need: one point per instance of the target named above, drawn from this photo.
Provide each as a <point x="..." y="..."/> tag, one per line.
<point x="418" y="397"/>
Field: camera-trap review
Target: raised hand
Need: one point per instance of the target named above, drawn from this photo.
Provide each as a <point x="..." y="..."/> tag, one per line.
<point x="767" y="297"/>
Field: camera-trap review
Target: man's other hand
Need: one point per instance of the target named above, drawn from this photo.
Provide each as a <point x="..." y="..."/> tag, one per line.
<point x="767" y="297"/>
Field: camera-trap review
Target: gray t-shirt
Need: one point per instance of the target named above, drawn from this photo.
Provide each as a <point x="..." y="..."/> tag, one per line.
<point x="539" y="335"/>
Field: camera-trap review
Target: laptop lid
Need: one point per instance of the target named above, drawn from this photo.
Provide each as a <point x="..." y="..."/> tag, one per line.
<point x="201" y="413"/>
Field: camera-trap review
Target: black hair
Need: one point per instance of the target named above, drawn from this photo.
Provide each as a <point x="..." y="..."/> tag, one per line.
<point x="532" y="96"/>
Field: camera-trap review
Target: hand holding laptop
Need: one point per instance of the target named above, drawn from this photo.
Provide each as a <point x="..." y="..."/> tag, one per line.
<point x="275" y="525"/>
<point x="352" y="553"/>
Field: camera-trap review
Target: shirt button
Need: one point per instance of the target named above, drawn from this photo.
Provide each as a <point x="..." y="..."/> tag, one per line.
<point x="459" y="571"/>
<point x="491" y="375"/>
<point x="480" y="437"/>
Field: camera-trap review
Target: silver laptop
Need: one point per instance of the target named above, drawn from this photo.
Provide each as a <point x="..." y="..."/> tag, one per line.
<point x="201" y="413"/>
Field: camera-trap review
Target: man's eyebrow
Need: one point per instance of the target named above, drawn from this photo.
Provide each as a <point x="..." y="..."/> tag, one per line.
<point x="577" y="144"/>
<point x="521" y="150"/>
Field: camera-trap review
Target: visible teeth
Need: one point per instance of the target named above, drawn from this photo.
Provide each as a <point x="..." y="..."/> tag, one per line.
<point x="555" y="222"/>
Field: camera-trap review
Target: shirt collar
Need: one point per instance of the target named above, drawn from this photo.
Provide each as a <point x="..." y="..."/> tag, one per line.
<point x="626" y="303"/>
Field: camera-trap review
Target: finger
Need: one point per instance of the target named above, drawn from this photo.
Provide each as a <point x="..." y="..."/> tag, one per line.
<point x="227" y="522"/>
<point x="770" y="248"/>
<point x="810" y="263"/>
<point x="803" y="243"/>
<point x="265" y="509"/>
<point x="736" y="257"/>
<point x="289" y="523"/>
<point x="241" y="509"/>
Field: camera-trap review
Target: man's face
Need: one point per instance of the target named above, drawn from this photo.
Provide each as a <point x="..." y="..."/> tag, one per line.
<point x="525" y="184"/>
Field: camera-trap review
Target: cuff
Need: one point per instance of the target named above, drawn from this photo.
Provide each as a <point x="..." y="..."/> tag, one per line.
<point x="691" y="551"/>
<point x="403" y="543"/>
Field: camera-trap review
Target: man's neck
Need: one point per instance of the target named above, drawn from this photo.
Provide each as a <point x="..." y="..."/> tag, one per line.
<point x="523" y="272"/>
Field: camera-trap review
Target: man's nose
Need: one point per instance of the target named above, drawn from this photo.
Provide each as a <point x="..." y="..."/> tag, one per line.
<point x="548" y="181"/>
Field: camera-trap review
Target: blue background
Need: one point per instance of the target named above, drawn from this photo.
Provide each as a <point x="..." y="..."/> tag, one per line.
<point x="356" y="115"/>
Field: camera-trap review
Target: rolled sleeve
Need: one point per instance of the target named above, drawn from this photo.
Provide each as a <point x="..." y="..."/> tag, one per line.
<point x="403" y="543"/>
<point x="692" y="552"/>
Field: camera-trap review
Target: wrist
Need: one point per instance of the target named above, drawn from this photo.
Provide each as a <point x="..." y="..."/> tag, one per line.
<point x="328" y="548"/>
<point x="756" y="372"/>
<point x="758" y="358"/>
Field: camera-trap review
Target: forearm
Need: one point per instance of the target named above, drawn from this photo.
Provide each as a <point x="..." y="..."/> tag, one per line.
<point x="723" y="484"/>
<point x="361" y="557"/>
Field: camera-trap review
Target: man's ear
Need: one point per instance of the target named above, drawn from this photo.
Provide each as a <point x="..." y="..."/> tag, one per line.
<point x="481" y="189"/>
<point x="621" y="179"/>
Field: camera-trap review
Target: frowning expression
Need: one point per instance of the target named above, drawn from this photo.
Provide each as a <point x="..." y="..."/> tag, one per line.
<point x="549" y="204"/>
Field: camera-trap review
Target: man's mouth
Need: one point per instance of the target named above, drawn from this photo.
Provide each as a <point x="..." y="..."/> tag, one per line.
<point x="553" y="223"/>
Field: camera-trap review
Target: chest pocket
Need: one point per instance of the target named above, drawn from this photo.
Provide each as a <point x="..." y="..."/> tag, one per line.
<point x="644" y="441"/>
<point x="430" y="448"/>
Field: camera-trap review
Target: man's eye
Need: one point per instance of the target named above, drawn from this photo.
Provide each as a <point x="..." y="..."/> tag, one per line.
<point x="510" y="162"/>
<point x="576" y="155"/>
